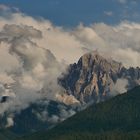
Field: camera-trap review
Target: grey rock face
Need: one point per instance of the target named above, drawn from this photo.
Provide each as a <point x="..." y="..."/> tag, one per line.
<point x="93" y="77"/>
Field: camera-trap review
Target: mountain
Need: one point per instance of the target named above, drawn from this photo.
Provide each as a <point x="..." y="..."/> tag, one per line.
<point x="115" y="119"/>
<point x="95" y="78"/>
<point x="37" y="117"/>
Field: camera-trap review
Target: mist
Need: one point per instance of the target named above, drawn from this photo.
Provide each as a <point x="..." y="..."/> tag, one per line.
<point x="34" y="53"/>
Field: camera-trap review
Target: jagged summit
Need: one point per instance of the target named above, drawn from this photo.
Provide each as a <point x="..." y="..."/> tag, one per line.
<point x="94" y="58"/>
<point x="94" y="77"/>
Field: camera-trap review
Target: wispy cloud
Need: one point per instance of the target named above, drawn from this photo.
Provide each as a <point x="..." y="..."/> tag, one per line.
<point x="4" y="7"/>
<point x="122" y="1"/>
<point x="108" y="13"/>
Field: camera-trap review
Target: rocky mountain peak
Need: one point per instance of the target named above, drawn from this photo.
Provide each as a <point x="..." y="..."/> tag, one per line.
<point x="93" y="59"/>
<point x="93" y="77"/>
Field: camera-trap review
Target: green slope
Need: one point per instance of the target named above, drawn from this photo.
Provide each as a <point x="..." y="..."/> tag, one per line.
<point x="116" y="119"/>
<point x="7" y="135"/>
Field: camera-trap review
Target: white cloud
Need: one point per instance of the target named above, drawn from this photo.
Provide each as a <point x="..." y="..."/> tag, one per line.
<point x="122" y="1"/>
<point x="108" y="13"/>
<point x="122" y="42"/>
<point x="8" y="62"/>
<point x="10" y="122"/>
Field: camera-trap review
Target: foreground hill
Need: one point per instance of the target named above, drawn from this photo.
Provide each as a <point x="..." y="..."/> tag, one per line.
<point x="7" y="135"/>
<point x="115" y="119"/>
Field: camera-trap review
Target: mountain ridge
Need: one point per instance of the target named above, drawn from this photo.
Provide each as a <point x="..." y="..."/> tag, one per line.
<point x="115" y="119"/>
<point x="93" y="78"/>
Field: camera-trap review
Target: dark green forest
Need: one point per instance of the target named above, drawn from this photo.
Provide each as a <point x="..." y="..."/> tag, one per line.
<point x="115" y="119"/>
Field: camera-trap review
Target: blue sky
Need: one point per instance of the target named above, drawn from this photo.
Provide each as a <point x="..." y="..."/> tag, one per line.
<point x="72" y="12"/>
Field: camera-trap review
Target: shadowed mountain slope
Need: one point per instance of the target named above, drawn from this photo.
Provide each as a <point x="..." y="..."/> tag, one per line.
<point x="115" y="119"/>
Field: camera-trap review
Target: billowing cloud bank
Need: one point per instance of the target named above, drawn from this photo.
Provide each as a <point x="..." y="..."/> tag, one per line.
<point x="34" y="52"/>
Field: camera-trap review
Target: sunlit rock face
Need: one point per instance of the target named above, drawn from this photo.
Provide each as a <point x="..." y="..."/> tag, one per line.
<point x="94" y="78"/>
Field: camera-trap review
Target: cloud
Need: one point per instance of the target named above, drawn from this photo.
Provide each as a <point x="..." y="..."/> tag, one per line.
<point x="120" y="87"/>
<point x="37" y="69"/>
<point x="108" y="13"/>
<point x="121" y="39"/>
<point x="4" y="7"/>
<point x="7" y="11"/>
<point x="81" y="39"/>
<point x="34" y="53"/>
<point x="8" y="62"/>
<point x="122" y="1"/>
<point x="10" y="122"/>
<point x="60" y="112"/>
